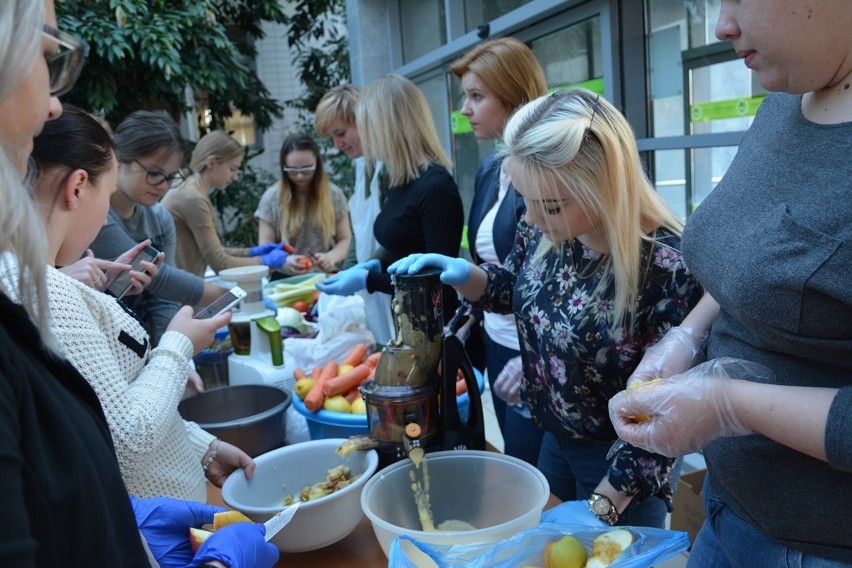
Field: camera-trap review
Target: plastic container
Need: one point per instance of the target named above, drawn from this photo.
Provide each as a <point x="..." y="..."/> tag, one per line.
<point x="498" y="494"/>
<point x="251" y="417"/>
<point x="284" y="472"/>
<point x="329" y="424"/>
<point x="212" y="367"/>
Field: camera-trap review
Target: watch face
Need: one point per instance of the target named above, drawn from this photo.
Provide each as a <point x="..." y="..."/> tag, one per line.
<point x="600" y="507"/>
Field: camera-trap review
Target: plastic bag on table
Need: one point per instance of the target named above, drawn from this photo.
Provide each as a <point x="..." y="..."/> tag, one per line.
<point x="342" y="324"/>
<point x="650" y="545"/>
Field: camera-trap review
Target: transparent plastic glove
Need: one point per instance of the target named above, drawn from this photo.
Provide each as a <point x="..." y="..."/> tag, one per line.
<point x="165" y="524"/>
<point x="260" y="250"/>
<point x="239" y="545"/>
<point x="508" y="383"/>
<point x="678" y="350"/>
<point x="684" y="413"/>
<point x="274" y="259"/>
<point x="454" y="271"/>
<point x="347" y="282"/>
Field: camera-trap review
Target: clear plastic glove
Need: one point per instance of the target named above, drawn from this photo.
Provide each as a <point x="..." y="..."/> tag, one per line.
<point x="678" y="350"/>
<point x="454" y="271"/>
<point x="239" y="545"/>
<point x="682" y="414"/>
<point x="165" y="524"/>
<point x="349" y="281"/>
<point x="274" y="259"/>
<point x="260" y="250"/>
<point x="508" y="383"/>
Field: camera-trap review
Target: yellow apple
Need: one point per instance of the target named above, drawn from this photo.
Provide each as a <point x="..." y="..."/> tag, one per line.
<point x="359" y="406"/>
<point x="338" y="403"/>
<point x="343" y="369"/>
<point x="567" y="552"/>
<point x="608" y="546"/>
<point x="303" y="387"/>
<point x="197" y="538"/>
<point x="227" y="518"/>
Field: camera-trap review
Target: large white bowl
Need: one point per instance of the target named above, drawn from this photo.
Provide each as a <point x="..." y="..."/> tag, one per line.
<point x="285" y="472"/>
<point x="498" y="494"/>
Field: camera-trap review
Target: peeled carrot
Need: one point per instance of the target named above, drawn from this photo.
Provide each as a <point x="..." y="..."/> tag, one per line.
<point x="356" y="356"/>
<point x="373" y="360"/>
<point x="299" y="374"/>
<point x="347" y="381"/>
<point x="288" y="248"/>
<point x="315" y="397"/>
<point x="352" y="395"/>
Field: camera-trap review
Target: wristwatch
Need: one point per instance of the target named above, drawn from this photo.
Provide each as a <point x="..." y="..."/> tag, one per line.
<point x="602" y="507"/>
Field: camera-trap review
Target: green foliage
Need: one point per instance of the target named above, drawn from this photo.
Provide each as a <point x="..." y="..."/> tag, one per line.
<point x="144" y="53"/>
<point x="235" y="206"/>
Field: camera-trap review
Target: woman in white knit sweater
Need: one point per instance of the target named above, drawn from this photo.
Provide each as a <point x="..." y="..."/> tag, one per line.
<point x="139" y="388"/>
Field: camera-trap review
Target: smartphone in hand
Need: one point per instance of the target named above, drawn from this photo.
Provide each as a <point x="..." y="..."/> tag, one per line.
<point x="121" y="285"/>
<point x="221" y="304"/>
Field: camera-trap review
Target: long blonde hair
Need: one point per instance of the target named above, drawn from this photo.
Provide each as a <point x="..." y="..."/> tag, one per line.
<point x="21" y="227"/>
<point x="396" y="127"/>
<point x="578" y="141"/>
<point x="508" y="67"/>
<point x="318" y="205"/>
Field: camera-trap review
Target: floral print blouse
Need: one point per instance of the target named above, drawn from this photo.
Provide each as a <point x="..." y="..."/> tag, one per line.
<point x="573" y="361"/>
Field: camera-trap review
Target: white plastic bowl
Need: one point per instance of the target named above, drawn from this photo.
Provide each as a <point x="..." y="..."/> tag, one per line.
<point x="498" y="494"/>
<point x="285" y="471"/>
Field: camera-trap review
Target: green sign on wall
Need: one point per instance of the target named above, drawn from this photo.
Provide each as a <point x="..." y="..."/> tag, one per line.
<point x="720" y="110"/>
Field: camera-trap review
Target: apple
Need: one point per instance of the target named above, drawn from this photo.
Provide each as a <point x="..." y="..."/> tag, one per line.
<point x="567" y="552"/>
<point x="359" y="406"/>
<point x="608" y="546"/>
<point x="227" y="518"/>
<point x="197" y="538"/>
<point x="338" y="403"/>
<point x="303" y="387"/>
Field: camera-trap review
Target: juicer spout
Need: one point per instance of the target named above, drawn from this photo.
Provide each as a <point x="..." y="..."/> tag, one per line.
<point x="360" y="443"/>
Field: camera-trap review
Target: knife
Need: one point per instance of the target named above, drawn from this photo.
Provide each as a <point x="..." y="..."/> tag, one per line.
<point x="276" y="523"/>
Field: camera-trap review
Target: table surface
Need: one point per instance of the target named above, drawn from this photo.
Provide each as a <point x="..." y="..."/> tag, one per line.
<point x="360" y="549"/>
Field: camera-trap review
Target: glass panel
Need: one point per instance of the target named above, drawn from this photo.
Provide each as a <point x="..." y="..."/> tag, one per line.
<point x="571" y="55"/>
<point x="422" y="27"/>
<point x="707" y="166"/>
<point x="478" y="12"/>
<point x="697" y="19"/>
<point x="671" y="181"/>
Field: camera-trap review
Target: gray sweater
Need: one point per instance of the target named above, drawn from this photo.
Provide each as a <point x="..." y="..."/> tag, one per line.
<point x="773" y="245"/>
<point x="172" y="287"/>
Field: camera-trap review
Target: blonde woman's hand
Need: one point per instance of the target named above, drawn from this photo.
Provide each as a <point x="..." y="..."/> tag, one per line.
<point x="95" y="272"/>
<point x="200" y="332"/>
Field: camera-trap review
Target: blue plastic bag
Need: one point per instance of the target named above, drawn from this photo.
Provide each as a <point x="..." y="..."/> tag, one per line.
<point x="650" y="546"/>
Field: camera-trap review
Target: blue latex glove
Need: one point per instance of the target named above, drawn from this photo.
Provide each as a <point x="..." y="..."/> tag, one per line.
<point x="270" y="304"/>
<point x="454" y="271"/>
<point x="351" y="280"/>
<point x="260" y="250"/>
<point x="274" y="259"/>
<point x="165" y="524"/>
<point x="239" y="545"/>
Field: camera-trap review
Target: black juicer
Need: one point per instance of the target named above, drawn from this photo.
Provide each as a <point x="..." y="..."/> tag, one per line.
<point x="415" y="381"/>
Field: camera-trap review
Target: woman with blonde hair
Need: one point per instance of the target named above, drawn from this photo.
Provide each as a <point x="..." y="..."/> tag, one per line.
<point x="305" y="210"/>
<point x="423" y="211"/>
<point x="215" y="164"/>
<point x="595" y="277"/>
<point x="497" y="77"/>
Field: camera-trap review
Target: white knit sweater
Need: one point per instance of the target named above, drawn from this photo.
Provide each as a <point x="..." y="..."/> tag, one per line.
<point x="139" y="388"/>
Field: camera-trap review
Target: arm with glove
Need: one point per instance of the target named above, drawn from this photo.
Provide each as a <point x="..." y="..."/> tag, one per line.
<point x="468" y="279"/>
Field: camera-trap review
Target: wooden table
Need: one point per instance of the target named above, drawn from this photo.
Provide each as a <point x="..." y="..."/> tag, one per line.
<point x="360" y="549"/>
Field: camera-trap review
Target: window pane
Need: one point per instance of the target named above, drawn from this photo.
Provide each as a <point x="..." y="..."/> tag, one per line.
<point x="571" y="55"/>
<point x="478" y="12"/>
<point x="707" y="166"/>
<point x="422" y="27"/>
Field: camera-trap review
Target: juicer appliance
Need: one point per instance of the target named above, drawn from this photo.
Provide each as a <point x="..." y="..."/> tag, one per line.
<point x="258" y="357"/>
<point x="411" y="401"/>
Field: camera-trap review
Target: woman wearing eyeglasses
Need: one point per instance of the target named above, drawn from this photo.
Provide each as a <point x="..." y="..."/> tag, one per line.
<point x="215" y="164"/>
<point x="150" y="152"/>
<point x="57" y="460"/>
<point x="305" y="210"/>
<point x="594" y="277"/>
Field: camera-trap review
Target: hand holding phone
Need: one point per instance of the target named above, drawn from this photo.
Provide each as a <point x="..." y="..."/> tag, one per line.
<point x="223" y="303"/>
<point x="122" y="284"/>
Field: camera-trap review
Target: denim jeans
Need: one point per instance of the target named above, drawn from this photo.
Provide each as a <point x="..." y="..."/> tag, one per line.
<point x="521" y="438"/>
<point x="575" y="467"/>
<point x="744" y="546"/>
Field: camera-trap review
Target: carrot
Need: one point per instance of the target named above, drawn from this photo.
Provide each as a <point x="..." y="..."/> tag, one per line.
<point x="461" y="387"/>
<point x="373" y="360"/>
<point x="316" y="373"/>
<point x="356" y="356"/>
<point x="352" y="395"/>
<point x="315" y="397"/>
<point x="288" y="248"/>
<point x="299" y="374"/>
<point x="347" y="381"/>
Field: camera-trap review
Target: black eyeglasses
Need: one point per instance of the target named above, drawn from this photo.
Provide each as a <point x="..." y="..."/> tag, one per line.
<point x="156" y="178"/>
<point x="296" y="171"/>
<point x="65" y="65"/>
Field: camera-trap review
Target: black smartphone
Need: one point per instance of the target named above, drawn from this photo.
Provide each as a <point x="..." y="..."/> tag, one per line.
<point x="121" y="285"/>
<point x="224" y="302"/>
